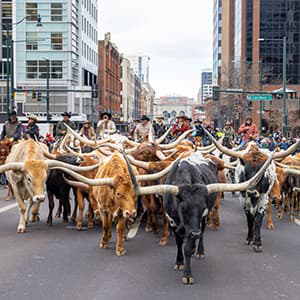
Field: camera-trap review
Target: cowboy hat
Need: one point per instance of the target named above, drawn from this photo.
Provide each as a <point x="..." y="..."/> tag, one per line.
<point x="33" y="117"/>
<point x="144" y="117"/>
<point x="181" y="116"/>
<point x="66" y="114"/>
<point x="108" y="114"/>
<point x="159" y="117"/>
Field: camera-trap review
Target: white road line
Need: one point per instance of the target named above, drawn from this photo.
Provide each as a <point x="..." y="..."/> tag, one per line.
<point x="297" y="221"/>
<point x="8" y="207"/>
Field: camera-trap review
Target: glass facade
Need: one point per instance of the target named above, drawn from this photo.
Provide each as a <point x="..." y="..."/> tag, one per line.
<point x="280" y="18"/>
<point x="217" y="39"/>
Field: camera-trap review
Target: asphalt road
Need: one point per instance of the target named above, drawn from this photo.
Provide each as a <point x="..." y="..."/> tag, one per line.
<point x="62" y="263"/>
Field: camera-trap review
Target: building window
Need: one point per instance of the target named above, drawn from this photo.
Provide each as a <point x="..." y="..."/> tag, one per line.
<point x="56" y="11"/>
<point x="31" y="11"/>
<point x="31" y="41"/>
<point x="31" y="69"/>
<point x="56" y="69"/>
<point x="56" y="41"/>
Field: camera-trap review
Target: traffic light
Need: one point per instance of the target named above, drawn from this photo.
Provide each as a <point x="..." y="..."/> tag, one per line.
<point x="95" y="91"/>
<point x="215" y="93"/>
<point x="39" y="96"/>
<point x="33" y="95"/>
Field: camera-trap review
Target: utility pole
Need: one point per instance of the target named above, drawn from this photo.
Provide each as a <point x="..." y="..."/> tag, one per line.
<point x="260" y="101"/>
<point x="284" y="113"/>
<point x="7" y="71"/>
<point x="48" y="90"/>
<point x="12" y="84"/>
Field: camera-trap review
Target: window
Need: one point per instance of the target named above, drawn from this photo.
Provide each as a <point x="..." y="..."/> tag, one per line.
<point x="31" y="41"/>
<point x="56" y="11"/>
<point x="56" y="41"/>
<point x="31" y="69"/>
<point x="31" y="11"/>
<point x="56" y="69"/>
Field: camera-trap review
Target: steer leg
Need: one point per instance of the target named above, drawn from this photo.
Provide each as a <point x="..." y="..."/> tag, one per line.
<point x="106" y="224"/>
<point x="292" y="206"/>
<point x="80" y="202"/>
<point x="270" y="224"/>
<point x="121" y="230"/>
<point x="51" y="207"/>
<point x="200" y="251"/>
<point x="148" y="227"/>
<point x="164" y="239"/>
<point x="179" y="236"/>
<point x="90" y="217"/>
<point x="250" y="223"/>
<point x="22" y="209"/>
<point x="154" y="210"/>
<point x="35" y="214"/>
<point x="59" y="210"/>
<point x="257" y="232"/>
<point x="187" y="277"/>
<point x="29" y="204"/>
<point x="74" y="213"/>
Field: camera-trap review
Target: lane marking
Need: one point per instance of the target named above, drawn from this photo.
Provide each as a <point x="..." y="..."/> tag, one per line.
<point x="297" y="221"/>
<point x="8" y="207"/>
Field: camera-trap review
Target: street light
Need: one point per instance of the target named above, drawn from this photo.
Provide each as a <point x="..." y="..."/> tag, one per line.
<point x="284" y="112"/>
<point x="9" y="56"/>
<point x="48" y="89"/>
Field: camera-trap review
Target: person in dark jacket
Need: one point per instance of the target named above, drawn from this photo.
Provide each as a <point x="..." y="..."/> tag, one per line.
<point x="159" y="126"/>
<point x="32" y="131"/>
<point x="12" y="128"/>
<point x="61" y="129"/>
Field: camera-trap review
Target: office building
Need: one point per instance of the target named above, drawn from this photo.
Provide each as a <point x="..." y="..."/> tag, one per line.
<point x="140" y="65"/>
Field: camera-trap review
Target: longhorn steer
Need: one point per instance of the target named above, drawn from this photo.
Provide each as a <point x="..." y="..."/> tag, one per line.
<point x="190" y="192"/>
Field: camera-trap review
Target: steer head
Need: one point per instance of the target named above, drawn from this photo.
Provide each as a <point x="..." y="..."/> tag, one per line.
<point x="34" y="178"/>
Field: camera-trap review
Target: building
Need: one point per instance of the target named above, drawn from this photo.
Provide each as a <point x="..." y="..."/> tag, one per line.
<point x="217" y="40"/>
<point x="173" y="105"/>
<point x="140" y="65"/>
<point x="109" y="79"/>
<point x="147" y="100"/>
<point x="206" y="84"/>
<point x="252" y="58"/>
<point x="6" y="18"/>
<point x="137" y="97"/>
<point x="67" y="42"/>
<point x="128" y="91"/>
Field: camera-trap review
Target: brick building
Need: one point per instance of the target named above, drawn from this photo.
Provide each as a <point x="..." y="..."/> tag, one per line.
<point x="109" y="77"/>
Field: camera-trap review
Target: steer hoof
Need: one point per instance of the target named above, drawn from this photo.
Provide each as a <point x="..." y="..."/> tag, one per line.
<point x="178" y="267"/>
<point x="280" y="215"/>
<point x="90" y="225"/>
<point x="72" y="221"/>
<point x="292" y="219"/>
<point x="120" y="252"/>
<point x="188" y="280"/>
<point x="257" y="248"/>
<point x="103" y="245"/>
<point x="8" y="198"/>
<point x="200" y="256"/>
<point x="270" y="226"/>
<point x="21" y="229"/>
<point x="79" y="226"/>
<point x="163" y="242"/>
<point x="148" y="228"/>
<point x="35" y="218"/>
<point x="248" y="242"/>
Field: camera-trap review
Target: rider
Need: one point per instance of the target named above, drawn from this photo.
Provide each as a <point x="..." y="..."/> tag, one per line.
<point x="12" y="128"/>
<point x="230" y="136"/>
<point x="159" y="126"/>
<point x="87" y="130"/>
<point x="142" y="129"/>
<point x="106" y="125"/>
<point x="248" y="130"/>
<point x="61" y="128"/>
<point x="31" y="129"/>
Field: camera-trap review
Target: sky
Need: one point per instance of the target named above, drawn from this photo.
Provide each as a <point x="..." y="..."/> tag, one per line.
<point x="175" y="34"/>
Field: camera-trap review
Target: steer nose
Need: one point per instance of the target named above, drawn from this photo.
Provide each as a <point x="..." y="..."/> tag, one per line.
<point x="130" y="214"/>
<point x="38" y="198"/>
<point x="254" y="193"/>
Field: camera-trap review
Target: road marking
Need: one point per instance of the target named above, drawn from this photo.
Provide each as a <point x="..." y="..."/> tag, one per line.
<point x="8" y="207"/>
<point x="297" y="221"/>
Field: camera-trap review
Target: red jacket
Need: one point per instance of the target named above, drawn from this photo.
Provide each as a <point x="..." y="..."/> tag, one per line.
<point x="177" y="131"/>
<point x="248" y="132"/>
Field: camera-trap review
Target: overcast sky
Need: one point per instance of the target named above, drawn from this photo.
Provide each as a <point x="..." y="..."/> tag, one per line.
<point x="175" y="34"/>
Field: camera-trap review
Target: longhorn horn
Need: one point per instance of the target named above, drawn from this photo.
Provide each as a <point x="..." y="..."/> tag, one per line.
<point x="206" y="148"/>
<point x="161" y="139"/>
<point x="160" y="155"/>
<point x="177" y="142"/>
<point x="225" y="150"/>
<point x="76" y="184"/>
<point x="287" y="152"/>
<point x="15" y="166"/>
<point x="139" y="163"/>
<point x="159" y="189"/>
<point x="53" y="164"/>
<point x="290" y="171"/>
<point x="226" y="187"/>
<point x="93" y="182"/>
<point x="150" y="134"/>
<point x="131" y="173"/>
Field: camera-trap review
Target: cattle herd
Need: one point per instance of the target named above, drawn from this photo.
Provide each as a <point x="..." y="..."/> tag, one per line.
<point x="124" y="181"/>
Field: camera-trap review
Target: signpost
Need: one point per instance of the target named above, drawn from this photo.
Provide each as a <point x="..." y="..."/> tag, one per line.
<point x="259" y="97"/>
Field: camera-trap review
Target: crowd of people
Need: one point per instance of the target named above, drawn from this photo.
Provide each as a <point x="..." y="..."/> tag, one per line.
<point x="248" y="131"/>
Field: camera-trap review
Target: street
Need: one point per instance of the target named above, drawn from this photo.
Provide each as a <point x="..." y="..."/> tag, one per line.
<point x="62" y="263"/>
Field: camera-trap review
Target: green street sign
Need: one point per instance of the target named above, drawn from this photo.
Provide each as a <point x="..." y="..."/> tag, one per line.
<point x="259" y="97"/>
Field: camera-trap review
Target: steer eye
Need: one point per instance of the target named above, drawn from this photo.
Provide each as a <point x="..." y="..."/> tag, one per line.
<point x="118" y="194"/>
<point x="28" y="179"/>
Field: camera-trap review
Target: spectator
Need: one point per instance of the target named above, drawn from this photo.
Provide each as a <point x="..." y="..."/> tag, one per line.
<point x="32" y="131"/>
<point x="283" y="145"/>
<point x="181" y="125"/>
<point x="106" y="125"/>
<point x="159" y="126"/>
<point x="230" y="136"/>
<point x="199" y="135"/>
<point x="12" y="128"/>
<point x="61" y="128"/>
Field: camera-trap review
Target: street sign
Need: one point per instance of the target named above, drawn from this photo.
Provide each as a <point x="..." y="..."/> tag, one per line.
<point x="259" y="97"/>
